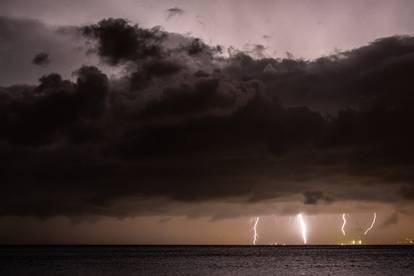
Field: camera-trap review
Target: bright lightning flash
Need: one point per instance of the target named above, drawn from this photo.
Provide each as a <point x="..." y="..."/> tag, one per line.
<point x="372" y="224"/>
<point x="303" y="227"/>
<point x="255" y="236"/>
<point x="343" y="224"/>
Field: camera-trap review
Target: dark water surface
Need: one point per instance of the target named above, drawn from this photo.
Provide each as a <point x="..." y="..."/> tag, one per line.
<point x="206" y="260"/>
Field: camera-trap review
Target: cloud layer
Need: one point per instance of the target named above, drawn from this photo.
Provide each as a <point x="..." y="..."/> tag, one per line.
<point x="188" y="122"/>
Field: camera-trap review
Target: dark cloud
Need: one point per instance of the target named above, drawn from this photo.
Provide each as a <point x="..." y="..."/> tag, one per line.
<point x="391" y="220"/>
<point x="257" y="50"/>
<point x="201" y="74"/>
<point x="155" y="68"/>
<point x="41" y="59"/>
<point x="182" y="123"/>
<point x="171" y="12"/>
<point x="118" y="41"/>
<point x="314" y="197"/>
<point x="52" y="107"/>
<point x="201" y="97"/>
<point x="196" y="47"/>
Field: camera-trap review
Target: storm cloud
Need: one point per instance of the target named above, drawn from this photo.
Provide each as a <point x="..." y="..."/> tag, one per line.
<point x="41" y="59"/>
<point x="186" y="123"/>
<point x="175" y="11"/>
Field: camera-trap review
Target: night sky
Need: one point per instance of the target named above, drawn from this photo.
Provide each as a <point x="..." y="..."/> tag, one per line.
<point x="180" y="122"/>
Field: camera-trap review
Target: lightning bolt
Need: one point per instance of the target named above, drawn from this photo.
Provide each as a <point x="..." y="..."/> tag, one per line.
<point x="303" y="227"/>
<point x="343" y="224"/>
<point x="372" y="224"/>
<point x="255" y="236"/>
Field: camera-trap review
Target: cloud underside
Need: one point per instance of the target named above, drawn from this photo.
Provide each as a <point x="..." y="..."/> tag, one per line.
<point x="186" y="123"/>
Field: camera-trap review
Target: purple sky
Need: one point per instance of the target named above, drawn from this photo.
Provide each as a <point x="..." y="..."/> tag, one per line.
<point x="305" y="28"/>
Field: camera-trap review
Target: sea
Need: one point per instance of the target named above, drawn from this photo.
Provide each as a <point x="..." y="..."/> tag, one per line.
<point x="205" y="260"/>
